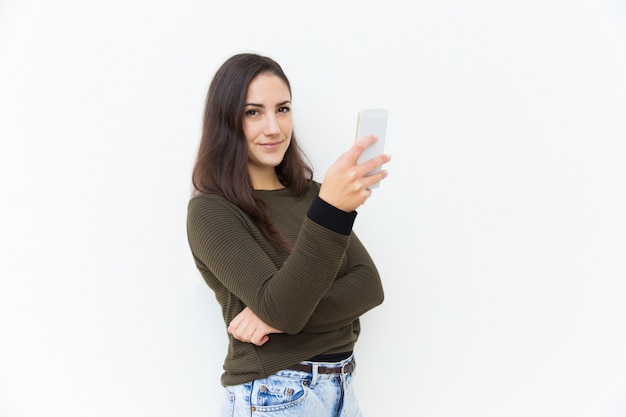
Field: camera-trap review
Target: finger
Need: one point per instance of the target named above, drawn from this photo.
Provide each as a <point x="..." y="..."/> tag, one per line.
<point x="234" y="331"/>
<point x="235" y="322"/>
<point x="240" y="330"/>
<point x="374" y="163"/>
<point x="359" y="146"/>
<point x="259" y="338"/>
<point x="370" y="180"/>
<point x="248" y="334"/>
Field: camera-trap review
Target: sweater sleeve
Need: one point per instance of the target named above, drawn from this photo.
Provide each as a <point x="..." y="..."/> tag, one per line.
<point x="351" y="295"/>
<point x="235" y="253"/>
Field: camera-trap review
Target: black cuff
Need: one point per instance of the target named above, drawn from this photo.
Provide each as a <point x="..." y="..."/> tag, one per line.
<point x="331" y="217"/>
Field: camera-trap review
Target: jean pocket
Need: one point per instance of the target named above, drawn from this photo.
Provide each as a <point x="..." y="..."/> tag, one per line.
<point x="277" y="393"/>
<point x="228" y="404"/>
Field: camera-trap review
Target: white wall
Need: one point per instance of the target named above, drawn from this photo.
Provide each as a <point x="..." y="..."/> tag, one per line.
<point x="500" y="234"/>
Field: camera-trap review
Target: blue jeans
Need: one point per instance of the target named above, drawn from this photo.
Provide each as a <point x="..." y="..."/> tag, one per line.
<point x="290" y="393"/>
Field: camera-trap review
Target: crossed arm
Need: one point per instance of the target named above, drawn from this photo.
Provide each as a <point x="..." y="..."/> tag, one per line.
<point x="350" y="296"/>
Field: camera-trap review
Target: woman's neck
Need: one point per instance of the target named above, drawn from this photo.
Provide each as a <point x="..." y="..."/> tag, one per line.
<point x="266" y="182"/>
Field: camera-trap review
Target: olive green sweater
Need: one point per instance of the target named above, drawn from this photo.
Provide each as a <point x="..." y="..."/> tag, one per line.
<point x="315" y="294"/>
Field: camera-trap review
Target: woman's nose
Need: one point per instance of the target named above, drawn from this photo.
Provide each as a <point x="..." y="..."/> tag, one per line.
<point x="271" y="125"/>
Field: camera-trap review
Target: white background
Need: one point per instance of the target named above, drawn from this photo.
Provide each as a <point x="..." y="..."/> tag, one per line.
<point x="500" y="233"/>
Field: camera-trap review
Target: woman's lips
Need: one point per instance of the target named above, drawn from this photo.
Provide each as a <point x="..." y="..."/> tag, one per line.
<point x="270" y="145"/>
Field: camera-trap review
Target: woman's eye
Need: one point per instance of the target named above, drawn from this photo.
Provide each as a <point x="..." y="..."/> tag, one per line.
<point x="252" y="112"/>
<point x="284" y="109"/>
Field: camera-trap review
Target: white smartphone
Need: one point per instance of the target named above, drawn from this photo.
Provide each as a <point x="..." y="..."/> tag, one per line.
<point x="372" y="121"/>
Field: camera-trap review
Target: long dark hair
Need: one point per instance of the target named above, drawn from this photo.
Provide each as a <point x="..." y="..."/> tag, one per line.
<point x="222" y="164"/>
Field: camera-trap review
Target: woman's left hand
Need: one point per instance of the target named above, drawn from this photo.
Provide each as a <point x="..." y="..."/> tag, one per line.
<point x="249" y="328"/>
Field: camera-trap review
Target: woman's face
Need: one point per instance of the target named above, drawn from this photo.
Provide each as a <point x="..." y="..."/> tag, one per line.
<point x="267" y="124"/>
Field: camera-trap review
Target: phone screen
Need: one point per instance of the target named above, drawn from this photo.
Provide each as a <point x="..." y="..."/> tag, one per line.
<point x="372" y="121"/>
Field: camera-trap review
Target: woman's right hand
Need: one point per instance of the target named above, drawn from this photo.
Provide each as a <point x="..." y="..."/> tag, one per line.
<point x="247" y="327"/>
<point x="346" y="185"/>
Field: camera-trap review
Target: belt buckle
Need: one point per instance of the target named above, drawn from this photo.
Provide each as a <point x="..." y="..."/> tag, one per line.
<point x="343" y="368"/>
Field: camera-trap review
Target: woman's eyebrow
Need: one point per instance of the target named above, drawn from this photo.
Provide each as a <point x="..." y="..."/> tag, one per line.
<point x="262" y="106"/>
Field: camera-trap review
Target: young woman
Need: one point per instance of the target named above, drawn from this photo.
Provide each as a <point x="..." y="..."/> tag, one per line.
<point x="278" y="250"/>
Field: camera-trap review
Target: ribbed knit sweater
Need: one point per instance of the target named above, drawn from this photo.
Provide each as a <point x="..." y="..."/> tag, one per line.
<point x="315" y="294"/>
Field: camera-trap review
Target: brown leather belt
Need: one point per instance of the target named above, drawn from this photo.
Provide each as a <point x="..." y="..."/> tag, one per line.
<point x="345" y="369"/>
